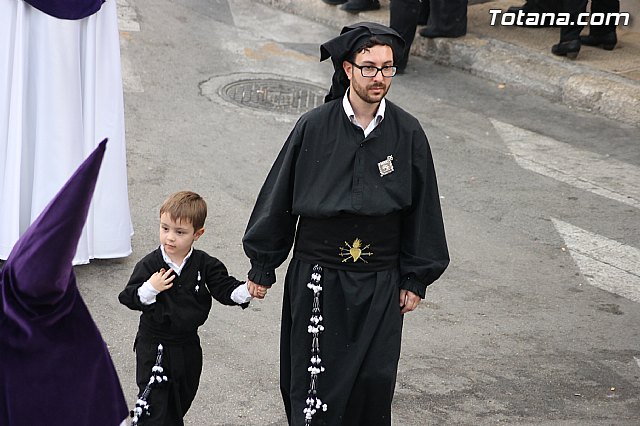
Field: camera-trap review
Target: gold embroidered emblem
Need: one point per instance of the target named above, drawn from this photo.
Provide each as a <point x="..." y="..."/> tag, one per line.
<point x="355" y="251"/>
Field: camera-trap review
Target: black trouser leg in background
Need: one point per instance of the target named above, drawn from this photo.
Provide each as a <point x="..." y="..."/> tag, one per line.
<point x="575" y="7"/>
<point x="604" y="6"/>
<point x="448" y="17"/>
<point x="404" y="16"/>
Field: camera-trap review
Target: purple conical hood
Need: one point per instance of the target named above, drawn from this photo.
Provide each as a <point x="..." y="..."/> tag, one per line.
<point x="40" y="263"/>
<point x="55" y="368"/>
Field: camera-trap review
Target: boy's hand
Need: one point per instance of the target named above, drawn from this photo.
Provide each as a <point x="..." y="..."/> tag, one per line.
<point x="256" y="290"/>
<point x="162" y="280"/>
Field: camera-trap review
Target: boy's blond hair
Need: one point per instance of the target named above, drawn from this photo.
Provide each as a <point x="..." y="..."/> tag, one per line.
<point x="186" y="206"/>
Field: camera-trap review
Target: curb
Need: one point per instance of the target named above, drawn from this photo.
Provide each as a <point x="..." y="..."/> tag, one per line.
<point x="602" y="93"/>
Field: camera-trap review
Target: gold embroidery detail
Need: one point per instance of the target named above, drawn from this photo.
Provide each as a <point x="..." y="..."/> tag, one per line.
<point x="355" y="251"/>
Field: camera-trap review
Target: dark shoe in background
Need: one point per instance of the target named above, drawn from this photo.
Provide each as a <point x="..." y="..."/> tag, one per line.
<point x="570" y="49"/>
<point x="334" y="2"/>
<point x="605" y="41"/>
<point x="355" y="6"/>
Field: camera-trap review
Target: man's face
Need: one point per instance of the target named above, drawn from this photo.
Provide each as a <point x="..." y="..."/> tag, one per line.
<point x="370" y="89"/>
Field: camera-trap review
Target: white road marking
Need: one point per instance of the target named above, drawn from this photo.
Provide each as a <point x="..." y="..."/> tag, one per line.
<point x="637" y="360"/>
<point x="583" y="169"/>
<point x="131" y="82"/>
<point x="605" y="263"/>
<point x="127" y="16"/>
<point x="128" y="22"/>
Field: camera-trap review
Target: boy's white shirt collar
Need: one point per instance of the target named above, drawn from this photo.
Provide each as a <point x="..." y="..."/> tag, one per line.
<point x="348" y="109"/>
<point x="176" y="268"/>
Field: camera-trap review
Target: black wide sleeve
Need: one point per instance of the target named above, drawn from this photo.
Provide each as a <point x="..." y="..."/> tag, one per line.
<point x="423" y="254"/>
<point x="271" y="229"/>
<point x="141" y="273"/>
<point x="220" y="283"/>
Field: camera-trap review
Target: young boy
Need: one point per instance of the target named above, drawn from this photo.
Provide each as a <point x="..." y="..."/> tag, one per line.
<point x="173" y="286"/>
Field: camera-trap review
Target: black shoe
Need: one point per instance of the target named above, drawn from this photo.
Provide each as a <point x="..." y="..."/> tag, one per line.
<point x="605" y="41"/>
<point x="570" y="49"/>
<point x="355" y="6"/>
<point x="430" y="33"/>
<point x="334" y="2"/>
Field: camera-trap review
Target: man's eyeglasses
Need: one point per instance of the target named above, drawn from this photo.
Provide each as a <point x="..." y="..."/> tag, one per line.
<point x="370" y="71"/>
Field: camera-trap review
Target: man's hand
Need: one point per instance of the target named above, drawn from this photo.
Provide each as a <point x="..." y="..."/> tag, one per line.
<point x="256" y="290"/>
<point x="162" y="280"/>
<point x="408" y="301"/>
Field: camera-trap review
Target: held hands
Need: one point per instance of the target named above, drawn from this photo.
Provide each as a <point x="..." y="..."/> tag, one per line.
<point x="162" y="280"/>
<point x="256" y="290"/>
<point x="408" y="301"/>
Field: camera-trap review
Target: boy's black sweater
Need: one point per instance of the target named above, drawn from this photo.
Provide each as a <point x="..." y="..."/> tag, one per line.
<point x="178" y="312"/>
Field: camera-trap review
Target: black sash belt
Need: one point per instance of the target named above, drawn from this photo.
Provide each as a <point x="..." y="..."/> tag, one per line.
<point x="349" y="242"/>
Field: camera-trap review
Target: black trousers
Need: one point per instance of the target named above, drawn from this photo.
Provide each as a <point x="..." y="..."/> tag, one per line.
<point x="575" y="7"/>
<point x="448" y="17"/>
<point x="541" y="6"/>
<point x="403" y="17"/>
<point x="182" y="365"/>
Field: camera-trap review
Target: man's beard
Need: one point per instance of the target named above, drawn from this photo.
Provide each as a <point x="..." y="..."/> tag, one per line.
<point x="363" y="92"/>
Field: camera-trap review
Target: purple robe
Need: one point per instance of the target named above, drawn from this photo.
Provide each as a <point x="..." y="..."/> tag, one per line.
<point x="67" y="9"/>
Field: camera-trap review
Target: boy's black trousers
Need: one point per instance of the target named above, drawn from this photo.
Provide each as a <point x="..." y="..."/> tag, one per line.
<point x="169" y="402"/>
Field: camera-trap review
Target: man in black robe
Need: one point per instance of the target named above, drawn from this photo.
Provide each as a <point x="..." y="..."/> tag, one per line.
<point x="354" y="188"/>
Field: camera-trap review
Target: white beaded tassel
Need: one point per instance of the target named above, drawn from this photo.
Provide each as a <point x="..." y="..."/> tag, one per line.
<point x="314" y="403"/>
<point x="142" y="408"/>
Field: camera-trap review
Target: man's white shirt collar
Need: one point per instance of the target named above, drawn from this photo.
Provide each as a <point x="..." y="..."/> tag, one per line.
<point x="348" y="109"/>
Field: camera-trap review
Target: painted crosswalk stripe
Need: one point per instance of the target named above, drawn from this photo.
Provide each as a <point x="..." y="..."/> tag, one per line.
<point x="582" y="169"/>
<point x="127" y="17"/>
<point x="131" y="82"/>
<point x="127" y="23"/>
<point x="605" y="263"/>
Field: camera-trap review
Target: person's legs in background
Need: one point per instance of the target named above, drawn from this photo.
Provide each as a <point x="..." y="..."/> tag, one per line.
<point x="569" y="45"/>
<point x="423" y="17"/>
<point x="447" y="18"/>
<point x="603" y="36"/>
<point x="404" y="15"/>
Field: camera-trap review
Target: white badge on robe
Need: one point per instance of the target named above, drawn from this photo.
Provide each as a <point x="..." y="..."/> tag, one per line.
<point x="386" y="166"/>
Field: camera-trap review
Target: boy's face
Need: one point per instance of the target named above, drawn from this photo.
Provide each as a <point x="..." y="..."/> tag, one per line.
<point x="177" y="237"/>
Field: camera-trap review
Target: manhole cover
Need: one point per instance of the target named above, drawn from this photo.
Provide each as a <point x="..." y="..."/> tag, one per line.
<point x="282" y="96"/>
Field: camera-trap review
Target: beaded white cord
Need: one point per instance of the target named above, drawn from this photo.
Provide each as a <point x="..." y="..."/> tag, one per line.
<point x="314" y="403"/>
<point x="157" y="378"/>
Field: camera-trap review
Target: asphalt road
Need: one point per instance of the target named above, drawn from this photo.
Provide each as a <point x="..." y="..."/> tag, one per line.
<point x="537" y="319"/>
